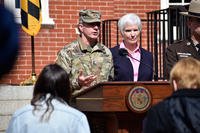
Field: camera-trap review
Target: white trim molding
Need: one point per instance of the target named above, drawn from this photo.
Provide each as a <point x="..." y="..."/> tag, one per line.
<point x="46" y="20"/>
<point x="165" y="3"/>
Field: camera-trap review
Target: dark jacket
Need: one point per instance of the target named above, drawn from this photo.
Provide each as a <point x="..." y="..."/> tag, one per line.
<point x="123" y="70"/>
<point x="179" y="113"/>
<point x="179" y="50"/>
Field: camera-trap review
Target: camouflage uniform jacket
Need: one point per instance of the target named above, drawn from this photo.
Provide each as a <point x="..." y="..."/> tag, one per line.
<point x="96" y="61"/>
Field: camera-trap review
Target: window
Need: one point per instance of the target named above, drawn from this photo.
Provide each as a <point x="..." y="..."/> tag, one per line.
<point x="179" y="1"/>
<point x="166" y="3"/>
<point x="14" y="6"/>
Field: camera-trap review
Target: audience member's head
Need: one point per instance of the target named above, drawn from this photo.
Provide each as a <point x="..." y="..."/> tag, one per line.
<point x="48" y="111"/>
<point x="9" y="40"/>
<point x="186" y="74"/>
<point x="52" y="80"/>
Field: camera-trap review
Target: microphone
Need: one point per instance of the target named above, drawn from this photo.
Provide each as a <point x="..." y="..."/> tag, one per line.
<point x="124" y="52"/>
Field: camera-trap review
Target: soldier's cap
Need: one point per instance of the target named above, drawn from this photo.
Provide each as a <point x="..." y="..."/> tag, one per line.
<point x="194" y="9"/>
<point x="89" y="16"/>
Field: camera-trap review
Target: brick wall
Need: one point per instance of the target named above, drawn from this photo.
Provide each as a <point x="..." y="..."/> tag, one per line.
<point x="65" y="15"/>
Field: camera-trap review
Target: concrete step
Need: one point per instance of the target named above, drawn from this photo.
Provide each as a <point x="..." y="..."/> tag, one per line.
<point x="12" y="98"/>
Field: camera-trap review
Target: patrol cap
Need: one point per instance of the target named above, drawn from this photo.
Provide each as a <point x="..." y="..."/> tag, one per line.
<point x="194" y="10"/>
<point x="89" y="16"/>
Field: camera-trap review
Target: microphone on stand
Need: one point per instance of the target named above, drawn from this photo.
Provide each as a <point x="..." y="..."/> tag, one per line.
<point x="124" y="52"/>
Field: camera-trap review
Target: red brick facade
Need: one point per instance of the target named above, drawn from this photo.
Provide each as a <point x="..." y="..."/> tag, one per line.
<point x="65" y="16"/>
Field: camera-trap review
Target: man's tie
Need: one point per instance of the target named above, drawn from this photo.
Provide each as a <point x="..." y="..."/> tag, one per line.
<point x="198" y="46"/>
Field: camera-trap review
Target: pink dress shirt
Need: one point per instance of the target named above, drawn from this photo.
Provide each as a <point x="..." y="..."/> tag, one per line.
<point x="134" y="57"/>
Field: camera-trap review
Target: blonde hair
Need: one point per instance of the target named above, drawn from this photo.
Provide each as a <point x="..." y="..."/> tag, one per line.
<point x="186" y="73"/>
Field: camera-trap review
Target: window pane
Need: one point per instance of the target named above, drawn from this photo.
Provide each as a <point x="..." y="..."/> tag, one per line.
<point x="175" y="1"/>
<point x="17" y="3"/>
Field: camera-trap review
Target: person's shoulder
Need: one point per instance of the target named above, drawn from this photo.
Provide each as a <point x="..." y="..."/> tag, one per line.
<point x="21" y="111"/>
<point x="74" y="111"/>
<point x="160" y="107"/>
<point x="66" y="109"/>
<point x="145" y="51"/>
<point x="69" y="111"/>
<point x="114" y="49"/>
<point x="146" y="54"/>
<point x="102" y="45"/>
<point x="104" y="48"/>
<point x="179" y="43"/>
<point x="69" y="47"/>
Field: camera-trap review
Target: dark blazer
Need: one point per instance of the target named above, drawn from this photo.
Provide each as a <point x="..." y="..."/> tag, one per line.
<point x="179" y="50"/>
<point x="179" y="113"/>
<point x="123" y="70"/>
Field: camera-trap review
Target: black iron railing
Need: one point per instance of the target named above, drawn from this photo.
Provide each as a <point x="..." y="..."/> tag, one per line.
<point x="164" y="27"/>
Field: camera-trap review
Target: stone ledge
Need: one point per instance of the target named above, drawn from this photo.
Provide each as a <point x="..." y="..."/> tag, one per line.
<point x="8" y="107"/>
<point x="8" y="92"/>
<point x="11" y="99"/>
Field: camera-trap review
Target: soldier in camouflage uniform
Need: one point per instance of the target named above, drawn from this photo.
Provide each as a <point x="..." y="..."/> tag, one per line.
<point x="86" y="60"/>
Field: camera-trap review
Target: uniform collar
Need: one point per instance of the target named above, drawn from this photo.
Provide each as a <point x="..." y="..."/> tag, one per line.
<point x="88" y="48"/>
<point x="195" y="42"/>
<point x="185" y="92"/>
<point x="192" y="42"/>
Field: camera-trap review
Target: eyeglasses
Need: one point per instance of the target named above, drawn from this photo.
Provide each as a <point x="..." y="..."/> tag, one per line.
<point x="92" y="24"/>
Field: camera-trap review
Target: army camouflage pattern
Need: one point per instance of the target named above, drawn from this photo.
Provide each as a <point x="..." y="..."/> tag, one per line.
<point x="89" y="16"/>
<point x="96" y="61"/>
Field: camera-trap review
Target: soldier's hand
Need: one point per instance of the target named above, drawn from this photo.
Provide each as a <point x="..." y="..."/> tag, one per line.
<point x="85" y="80"/>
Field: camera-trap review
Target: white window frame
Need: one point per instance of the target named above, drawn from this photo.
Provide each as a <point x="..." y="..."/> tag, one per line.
<point x="165" y="3"/>
<point x="46" y="20"/>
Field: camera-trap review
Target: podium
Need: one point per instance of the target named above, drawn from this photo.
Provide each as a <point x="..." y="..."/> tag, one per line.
<point x="118" y="97"/>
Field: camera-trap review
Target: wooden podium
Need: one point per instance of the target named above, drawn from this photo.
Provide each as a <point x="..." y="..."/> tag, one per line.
<point x="112" y="98"/>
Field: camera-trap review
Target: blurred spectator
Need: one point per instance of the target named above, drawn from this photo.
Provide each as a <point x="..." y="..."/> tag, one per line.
<point x="9" y="40"/>
<point x="49" y="111"/>
<point x="179" y="113"/>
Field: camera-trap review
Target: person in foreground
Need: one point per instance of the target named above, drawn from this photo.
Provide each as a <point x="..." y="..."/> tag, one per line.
<point x="9" y="41"/>
<point x="179" y="113"/>
<point x="86" y="60"/>
<point x="49" y="111"/>
<point x="131" y="61"/>
<point x="189" y="47"/>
